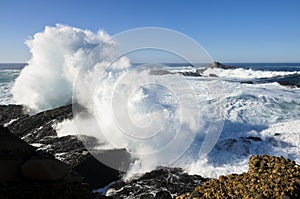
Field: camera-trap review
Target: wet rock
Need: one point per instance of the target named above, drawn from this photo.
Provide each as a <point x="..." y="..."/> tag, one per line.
<point x="190" y="73"/>
<point x="44" y="169"/>
<point x="253" y="138"/>
<point x="22" y="168"/>
<point x="289" y="83"/>
<point x="213" y="75"/>
<point x="219" y="65"/>
<point x="39" y="125"/>
<point x="10" y="112"/>
<point x="247" y="82"/>
<point x="98" y="171"/>
<point x="163" y="195"/>
<point x="162" y="182"/>
<point x="37" y="130"/>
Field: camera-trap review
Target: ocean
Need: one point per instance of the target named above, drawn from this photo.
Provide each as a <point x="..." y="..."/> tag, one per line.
<point x="259" y="115"/>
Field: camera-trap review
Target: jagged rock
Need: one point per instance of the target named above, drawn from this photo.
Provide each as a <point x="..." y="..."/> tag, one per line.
<point x="190" y="73"/>
<point x="20" y="161"/>
<point x="37" y="130"/>
<point x="44" y="169"/>
<point x="267" y="177"/>
<point x="29" y="125"/>
<point x="219" y="65"/>
<point x="155" y="184"/>
<point x="10" y="112"/>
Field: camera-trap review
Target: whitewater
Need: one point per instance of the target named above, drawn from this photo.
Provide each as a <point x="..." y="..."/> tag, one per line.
<point x="208" y="125"/>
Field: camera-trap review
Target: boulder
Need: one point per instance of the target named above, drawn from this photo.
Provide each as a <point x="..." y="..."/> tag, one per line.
<point x="101" y="168"/>
<point x="13" y="152"/>
<point x="44" y="169"/>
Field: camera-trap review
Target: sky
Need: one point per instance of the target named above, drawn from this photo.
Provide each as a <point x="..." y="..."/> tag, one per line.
<point x="229" y="30"/>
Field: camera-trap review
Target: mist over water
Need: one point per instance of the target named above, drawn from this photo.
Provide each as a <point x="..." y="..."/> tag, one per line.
<point x="153" y="118"/>
<point x="160" y="120"/>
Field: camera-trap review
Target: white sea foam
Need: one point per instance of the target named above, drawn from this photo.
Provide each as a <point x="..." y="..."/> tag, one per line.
<point x="126" y="105"/>
<point x="148" y="115"/>
<point x="242" y="73"/>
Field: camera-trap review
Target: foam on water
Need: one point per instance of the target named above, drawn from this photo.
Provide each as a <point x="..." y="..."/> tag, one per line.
<point x="122" y="100"/>
<point x="7" y="78"/>
<point x="242" y="73"/>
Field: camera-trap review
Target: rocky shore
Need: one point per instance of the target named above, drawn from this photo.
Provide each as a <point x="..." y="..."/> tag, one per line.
<point x="267" y="177"/>
<point x="291" y="81"/>
<point x="36" y="163"/>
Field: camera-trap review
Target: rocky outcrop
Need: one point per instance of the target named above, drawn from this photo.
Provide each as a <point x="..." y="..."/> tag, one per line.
<point x="37" y="130"/>
<point x="161" y="183"/>
<point x="26" y="173"/>
<point x="267" y="177"/>
<point x="219" y="65"/>
<point x="10" y="112"/>
<point x="191" y="73"/>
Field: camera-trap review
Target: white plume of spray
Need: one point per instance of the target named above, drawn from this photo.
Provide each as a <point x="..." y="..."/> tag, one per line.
<point x="58" y="54"/>
<point x="66" y="59"/>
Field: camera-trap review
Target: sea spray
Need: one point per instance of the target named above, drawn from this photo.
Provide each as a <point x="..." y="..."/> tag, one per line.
<point x="154" y="118"/>
<point x="58" y="54"/>
<point x="125" y="107"/>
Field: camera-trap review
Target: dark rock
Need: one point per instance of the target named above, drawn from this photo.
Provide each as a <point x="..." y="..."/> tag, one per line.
<point x="13" y="152"/>
<point x="247" y="82"/>
<point x="99" y="173"/>
<point x="162" y="181"/>
<point x="19" y="159"/>
<point x="290" y="84"/>
<point x="37" y="130"/>
<point x="10" y="112"/>
<point x="44" y="169"/>
<point x="238" y="146"/>
<point x="292" y="81"/>
<point x="253" y="138"/>
<point x="219" y="65"/>
<point x="27" y="125"/>
<point x="190" y="73"/>
<point x="213" y="75"/>
<point x="163" y="195"/>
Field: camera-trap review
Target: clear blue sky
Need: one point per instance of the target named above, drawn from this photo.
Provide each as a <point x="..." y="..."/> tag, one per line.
<point x="231" y="31"/>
